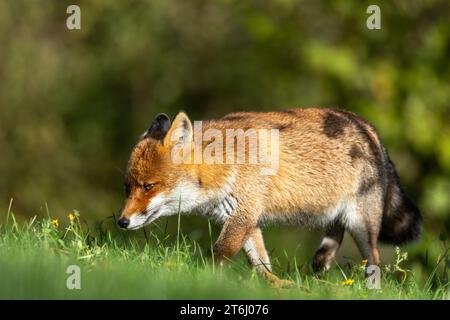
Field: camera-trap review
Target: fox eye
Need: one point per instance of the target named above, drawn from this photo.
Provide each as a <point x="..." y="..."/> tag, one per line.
<point x="148" y="186"/>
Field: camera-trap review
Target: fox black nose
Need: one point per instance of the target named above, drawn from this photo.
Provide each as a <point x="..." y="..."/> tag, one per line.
<point x="123" y="222"/>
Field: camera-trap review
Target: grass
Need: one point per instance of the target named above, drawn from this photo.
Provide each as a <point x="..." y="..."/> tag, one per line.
<point x="34" y="257"/>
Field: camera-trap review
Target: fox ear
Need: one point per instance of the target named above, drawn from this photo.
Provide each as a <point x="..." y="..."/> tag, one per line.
<point x="181" y="130"/>
<point x="159" y="127"/>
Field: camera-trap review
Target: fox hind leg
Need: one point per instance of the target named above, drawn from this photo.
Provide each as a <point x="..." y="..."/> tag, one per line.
<point x="366" y="242"/>
<point x="328" y="248"/>
<point x="366" y="227"/>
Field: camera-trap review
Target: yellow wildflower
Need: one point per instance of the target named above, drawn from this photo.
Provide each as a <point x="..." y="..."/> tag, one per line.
<point x="364" y="262"/>
<point x="347" y="282"/>
<point x="55" y="223"/>
<point x="71" y="217"/>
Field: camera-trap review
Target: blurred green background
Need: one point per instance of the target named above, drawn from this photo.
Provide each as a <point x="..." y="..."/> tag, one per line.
<point x="73" y="102"/>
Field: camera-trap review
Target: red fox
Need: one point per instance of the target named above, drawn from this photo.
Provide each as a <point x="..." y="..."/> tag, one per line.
<point x="332" y="172"/>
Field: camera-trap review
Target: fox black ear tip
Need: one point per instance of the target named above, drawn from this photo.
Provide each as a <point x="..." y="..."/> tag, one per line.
<point x="162" y="120"/>
<point x="162" y="116"/>
<point x="159" y="127"/>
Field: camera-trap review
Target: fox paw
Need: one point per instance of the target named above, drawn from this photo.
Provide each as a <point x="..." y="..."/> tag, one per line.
<point x="320" y="263"/>
<point x="276" y="282"/>
<point x="282" y="283"/>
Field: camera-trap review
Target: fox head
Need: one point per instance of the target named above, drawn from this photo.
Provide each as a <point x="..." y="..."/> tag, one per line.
<point x="155" y="185"/>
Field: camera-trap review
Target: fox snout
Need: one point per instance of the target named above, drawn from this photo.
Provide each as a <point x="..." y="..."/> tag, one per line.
<point x="131" y="216"/>
<point x="137" y="214"/>
<point x="134" y="210"/>
<point x="126" y="217"/>
<point x="123" y="222"/>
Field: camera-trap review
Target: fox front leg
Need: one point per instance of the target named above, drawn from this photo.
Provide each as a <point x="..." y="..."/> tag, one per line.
<point x="257" y="255"/>
<point x="235" y="232"/>
<point x="256" y="251"/>
<point x="241" y="231"/>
